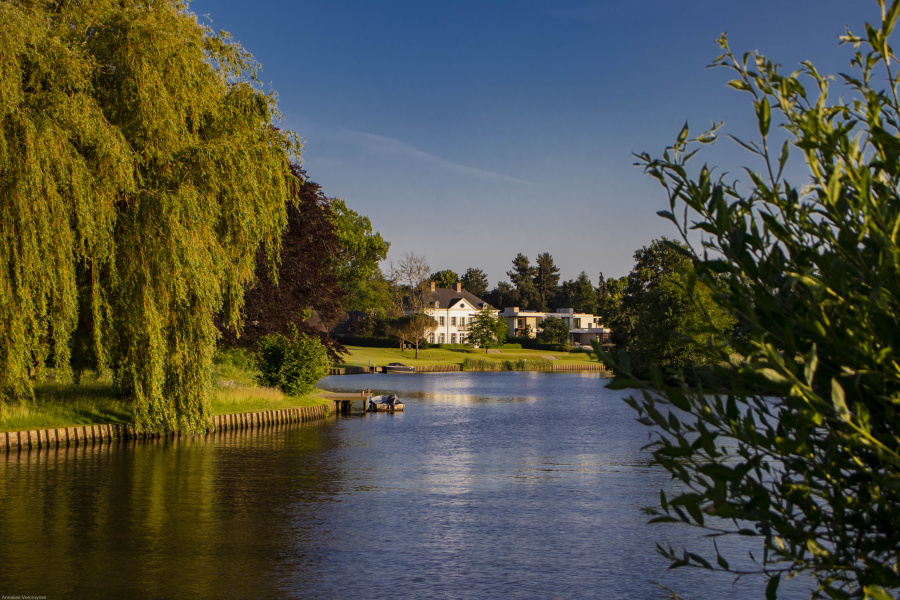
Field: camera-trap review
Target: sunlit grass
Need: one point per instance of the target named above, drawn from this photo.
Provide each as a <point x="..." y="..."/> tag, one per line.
<point x="97" y="401"/>
<point x="363" y="356"/>
<point x="67" y="405"/>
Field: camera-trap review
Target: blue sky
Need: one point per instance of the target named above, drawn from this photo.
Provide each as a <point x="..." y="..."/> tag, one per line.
<point x="471" y="131"/>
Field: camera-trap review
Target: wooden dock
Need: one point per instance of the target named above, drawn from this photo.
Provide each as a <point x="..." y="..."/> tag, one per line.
<point x="343" y="402"/>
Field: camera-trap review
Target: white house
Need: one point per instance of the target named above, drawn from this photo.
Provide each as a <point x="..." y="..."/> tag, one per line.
<point x="454" y="309"/>
<point x="583" y="327"/>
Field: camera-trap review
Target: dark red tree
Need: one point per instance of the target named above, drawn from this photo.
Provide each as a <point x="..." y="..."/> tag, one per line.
<point x="307" y="293"/>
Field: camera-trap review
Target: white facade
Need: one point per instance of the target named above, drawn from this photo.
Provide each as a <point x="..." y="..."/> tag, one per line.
<point x="454" y="309"/>
<point x="582" y="326"/>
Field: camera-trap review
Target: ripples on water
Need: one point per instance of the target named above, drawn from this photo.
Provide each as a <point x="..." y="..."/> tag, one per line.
<point x="490" y="485"/>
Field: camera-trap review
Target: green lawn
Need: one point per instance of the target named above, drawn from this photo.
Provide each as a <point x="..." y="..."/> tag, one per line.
<point x="95" y="401"/>
<point x="362" y="357"/>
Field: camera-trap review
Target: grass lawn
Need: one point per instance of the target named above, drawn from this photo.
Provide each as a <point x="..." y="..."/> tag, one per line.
<point x="362" y="357"/>
<point x="95" y="401"/>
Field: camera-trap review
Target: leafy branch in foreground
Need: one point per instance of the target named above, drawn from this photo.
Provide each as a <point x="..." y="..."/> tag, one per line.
<point x="792" y="435"/>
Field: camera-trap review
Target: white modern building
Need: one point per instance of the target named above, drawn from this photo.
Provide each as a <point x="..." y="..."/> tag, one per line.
<point x="454" y="309"/>
<point x="583" y="327"/>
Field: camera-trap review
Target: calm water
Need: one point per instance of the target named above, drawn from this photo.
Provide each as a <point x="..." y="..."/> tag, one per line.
<point x="490" y="485"/>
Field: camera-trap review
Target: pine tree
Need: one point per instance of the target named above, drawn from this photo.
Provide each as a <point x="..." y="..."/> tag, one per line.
<point x="522" y="277"/>
<point x="546" y="280"/>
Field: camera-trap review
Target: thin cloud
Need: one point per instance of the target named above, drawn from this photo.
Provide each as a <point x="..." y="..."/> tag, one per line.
<point x="379" y="144"/>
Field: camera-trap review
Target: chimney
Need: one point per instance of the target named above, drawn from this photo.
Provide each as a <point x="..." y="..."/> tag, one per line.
<point x="432" y="286"/>
<point x="458" y="286"/>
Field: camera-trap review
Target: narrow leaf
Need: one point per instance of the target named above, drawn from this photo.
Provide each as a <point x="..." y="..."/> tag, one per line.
<point x="838" y="399"/>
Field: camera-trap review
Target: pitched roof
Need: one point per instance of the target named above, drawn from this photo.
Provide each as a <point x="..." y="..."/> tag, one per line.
<point x="446" y="298"/>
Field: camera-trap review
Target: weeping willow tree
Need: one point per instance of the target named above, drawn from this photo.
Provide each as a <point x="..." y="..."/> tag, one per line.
<point x="139" y="172"/>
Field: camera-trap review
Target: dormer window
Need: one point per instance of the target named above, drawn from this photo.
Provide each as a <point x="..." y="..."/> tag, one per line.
<point x="437" y="304"/>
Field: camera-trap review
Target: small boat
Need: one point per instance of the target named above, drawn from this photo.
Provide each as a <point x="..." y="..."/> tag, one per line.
<point x="398" y="368"/>
<point x="383" y="403"/>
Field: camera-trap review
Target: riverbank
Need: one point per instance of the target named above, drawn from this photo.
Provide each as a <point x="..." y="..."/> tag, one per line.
<point x="94" y="401"/>
<point x="360" y="356"/>
<point x="63" y="437"/>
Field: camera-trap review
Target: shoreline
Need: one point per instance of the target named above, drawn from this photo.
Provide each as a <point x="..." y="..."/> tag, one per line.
<point x="83" y="435"/>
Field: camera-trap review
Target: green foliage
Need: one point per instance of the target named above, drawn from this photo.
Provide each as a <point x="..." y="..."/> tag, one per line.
<point x="578" y="294"/>
<point x="373" y="297"/>
<point x="475" y="281"/>
<point x="546" y="280"/>
<point x="553" y="331"/>
<point x="486" y="330"/>
<point x="293" y="364"/>
<point x="502" y="296"/>
<point x="239" y="358"/>
<point x="795" y="440"/>
<point x="657" y="319"/>
<point x="140" y="170"/>
<point x="482" y="364"/>
<point x="522" y="277"/>
<point x="412" y="328"/>
<point x="444" y="279"/>
<point x="360" y="251"/>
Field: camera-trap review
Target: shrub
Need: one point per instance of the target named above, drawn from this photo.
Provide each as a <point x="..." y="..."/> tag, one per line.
<point x="239" y="358"/>
<point x="293" y="365"/>
<point x="480" y="364"/>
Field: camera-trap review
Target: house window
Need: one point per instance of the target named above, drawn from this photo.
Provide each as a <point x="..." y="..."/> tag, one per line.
<point x="521" y="324"/>
<point x="462" y="321"/>
<point x="452" y="338"/>
<point x="431" y="338"/>
<point x="577" y="324"/>
<point x="442" y="338"/>
<point x="462" y="338"/>
<point x="441" y="320"/>
<point x="452" y="321"/>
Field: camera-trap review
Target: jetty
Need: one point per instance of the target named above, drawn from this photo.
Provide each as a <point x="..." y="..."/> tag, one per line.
<point x="344" y="402"/>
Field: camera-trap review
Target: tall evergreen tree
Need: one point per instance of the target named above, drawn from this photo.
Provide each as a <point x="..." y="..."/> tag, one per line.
<point x="140" y="169"/>
<point x="475" y="281"/>
<point x="502" y="296"/>
<point x="522" y="277"/>
<point x="585" y="296"/>
<point x="546" y="280"/>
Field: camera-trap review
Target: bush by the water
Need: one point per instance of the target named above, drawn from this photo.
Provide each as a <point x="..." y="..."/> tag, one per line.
<point x="293" y="365"/>
<point x="483" y="364"/>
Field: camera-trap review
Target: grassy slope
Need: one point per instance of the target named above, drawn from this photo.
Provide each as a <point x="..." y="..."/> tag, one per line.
<point x="360" y="356"/>
<point x="95" y="401"/>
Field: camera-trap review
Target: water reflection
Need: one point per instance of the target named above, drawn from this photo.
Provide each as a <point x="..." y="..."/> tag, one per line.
<point x="488" y="485"/>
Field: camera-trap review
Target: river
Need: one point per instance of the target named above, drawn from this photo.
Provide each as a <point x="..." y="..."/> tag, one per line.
<point x="489" y="485"/>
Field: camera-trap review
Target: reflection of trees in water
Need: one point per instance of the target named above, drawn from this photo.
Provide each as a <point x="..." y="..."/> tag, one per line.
<point x="189" y="517"/>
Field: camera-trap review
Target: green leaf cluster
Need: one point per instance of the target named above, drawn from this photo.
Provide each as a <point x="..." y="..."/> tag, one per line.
<point x="795" y="438"/>
<point x="486" y="330"/>
<point x="660" y="315"/>
<point x="553" y="331"/>
<point x="292" y="364"/>
<point x="140" y="169"/>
